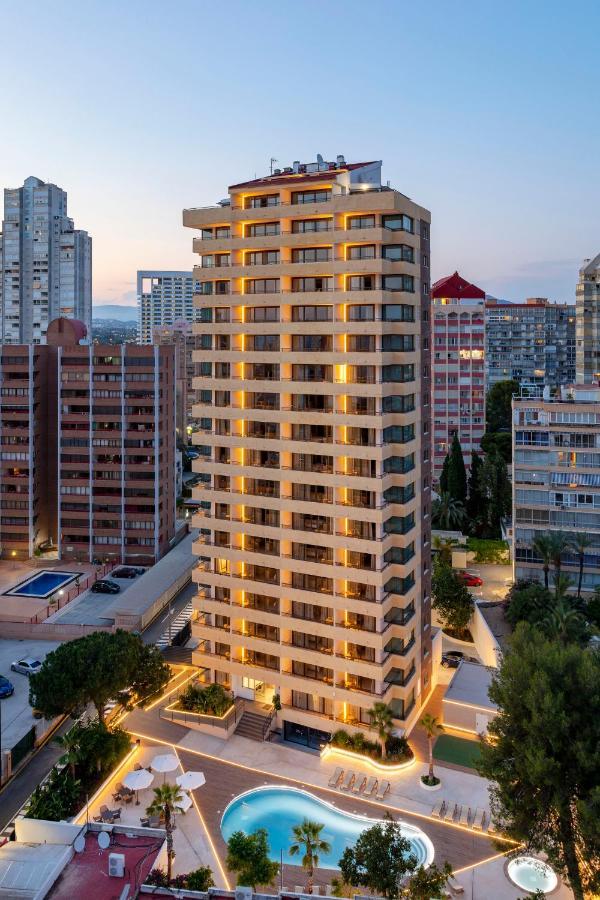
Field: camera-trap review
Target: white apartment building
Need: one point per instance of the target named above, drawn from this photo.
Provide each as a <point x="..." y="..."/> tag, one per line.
<point x="164" y="298"/>
<point x="45" y="264"/>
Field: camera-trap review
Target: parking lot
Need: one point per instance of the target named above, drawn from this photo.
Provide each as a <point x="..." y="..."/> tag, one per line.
<point x="17" y="717"/>
<point x="94" y="609"/>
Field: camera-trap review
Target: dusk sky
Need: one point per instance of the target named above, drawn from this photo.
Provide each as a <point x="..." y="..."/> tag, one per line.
<point x="486" y="113"/>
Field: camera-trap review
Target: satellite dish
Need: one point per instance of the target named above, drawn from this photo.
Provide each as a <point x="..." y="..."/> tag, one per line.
<point x="79" y="844"/>
<point x="103" y="840"/>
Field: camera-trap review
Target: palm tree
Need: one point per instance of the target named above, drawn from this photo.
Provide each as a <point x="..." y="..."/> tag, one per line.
<point x="433" y="728"/>
<point x="563" y="622"/>
<point x="448" y="512"/>
<point x="307" y="838"/>
<point x="166" y="799"/>
<point x="69" y="743"/>
<point x="542" y="547"/>
<point x="579" y="543"/>
<point x="559" y="543"/>
<point x="381" y="721"/>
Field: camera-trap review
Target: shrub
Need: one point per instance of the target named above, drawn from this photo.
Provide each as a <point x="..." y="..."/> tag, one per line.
<point x="212" y="700"/>
<point x="397" y="748"/>
<point x="489" y="551"/>
<point x="157" y="877"/>
<point x="200" y="879"/>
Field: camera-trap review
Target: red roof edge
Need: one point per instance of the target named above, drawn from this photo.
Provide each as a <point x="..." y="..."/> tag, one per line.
<point x="454" y="286"/>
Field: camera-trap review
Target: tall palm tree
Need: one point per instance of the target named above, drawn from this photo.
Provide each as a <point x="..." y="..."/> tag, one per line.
<point x="381" y="717"/>
<point x="559" y="543"/>
<point x="542" y="547"/>
<point x="307" y="839"/>
<point x="579" y="543"/>
<point x="166" y="799"/>
<point x="448" y="512"/>
<point x="70" y="744"/>
<point x="433" y="728"/>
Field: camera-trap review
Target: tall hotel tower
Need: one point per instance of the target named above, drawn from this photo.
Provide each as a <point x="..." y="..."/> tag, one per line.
<point x="315" y="397"/>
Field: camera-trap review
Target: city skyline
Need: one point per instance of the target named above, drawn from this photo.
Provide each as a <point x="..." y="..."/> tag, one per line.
<point x="494" y="147"/>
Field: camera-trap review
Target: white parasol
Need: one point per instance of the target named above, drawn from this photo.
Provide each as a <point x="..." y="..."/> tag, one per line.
<point x="189" y="781"/>
<point x="137" y="780"/>
<point x="166" y="762"/>
<point x="184" y="804"/>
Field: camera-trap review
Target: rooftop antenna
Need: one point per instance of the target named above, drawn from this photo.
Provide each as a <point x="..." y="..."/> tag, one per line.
<point x="273" y="161"/>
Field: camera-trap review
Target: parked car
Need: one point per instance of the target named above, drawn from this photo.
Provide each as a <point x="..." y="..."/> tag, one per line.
<point x="470" y="579"/>
<point x="26" y="666"/>
<point x="7" y="688"/>
<point x="452" y="659"/>
<point x="127" y="572"/>
<point x="103" y="586"/>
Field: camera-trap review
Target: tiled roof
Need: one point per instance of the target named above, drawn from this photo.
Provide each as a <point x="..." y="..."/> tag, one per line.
<point x="452" y="286"/>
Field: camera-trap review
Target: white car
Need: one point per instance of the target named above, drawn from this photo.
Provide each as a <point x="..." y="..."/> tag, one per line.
<point x="26" y="666"/>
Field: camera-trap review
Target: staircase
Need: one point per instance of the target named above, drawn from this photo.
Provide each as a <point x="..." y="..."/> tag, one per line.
<point x="181" y="655"/>
<point x="254" y="726"/>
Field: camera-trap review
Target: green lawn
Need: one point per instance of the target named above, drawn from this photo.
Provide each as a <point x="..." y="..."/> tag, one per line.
<point x="456" y="750"/>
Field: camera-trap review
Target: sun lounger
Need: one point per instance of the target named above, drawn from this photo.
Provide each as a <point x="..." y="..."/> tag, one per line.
<point x="450" y="811"/>
<point x="478" y="819"/>
<point x="359" y="783"/>
<point x="336" y="778"/>
<point x="455" y="886"/>
<point x="465" y="815"/>
<point x="382" y="789"/>
<point x="436" y="812"/>
<point x="370" y="787"/>
<point x="348" y="781"/>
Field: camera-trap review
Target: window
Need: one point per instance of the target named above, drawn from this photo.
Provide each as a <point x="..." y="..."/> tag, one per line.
<point x="361" y="313"/>
<point x="301" y="226"/>
<point x="261" y="201"/>
<point x="262" y="258"/>
<point x="263" y="342"/>
<point x="311" y="254"/>
<point x="403" y="343"/>
<point x="398" y="312"/>
<point x="398" y="283"/>
<point x="360" y="283"/>
<point x="321" y="196"/>
<point x="360" y="222"/>
<point x="312" y="313"/>
<point x="261" y="286"/>
<point x="397" y="222"/>
<point x="363" y="251"/>
<point x="312" y="284"/>
<point x="262" y="229"/>
<point x="398" y="373"/>
<point x="398" y="252"/>
<point x="262" y="314"/>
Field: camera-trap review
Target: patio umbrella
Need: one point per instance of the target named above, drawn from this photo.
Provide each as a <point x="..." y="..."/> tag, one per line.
<point x="189" y="781"/>
<point x="166" y="762"/>
<point x="137" y="780"/>
<point x="184" y="804"/>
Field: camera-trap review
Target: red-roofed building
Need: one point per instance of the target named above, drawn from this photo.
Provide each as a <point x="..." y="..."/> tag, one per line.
<point x="458" y="362"/>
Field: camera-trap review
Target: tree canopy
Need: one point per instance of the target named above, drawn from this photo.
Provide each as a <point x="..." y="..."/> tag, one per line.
<point x="94" y="669"/>
<point x="498" y="405"/>
<point x="457" y="474"/>
<point x="541" y="753"/>
<point x="452" y="600"/>
<point x="379" y="860"/>
<point x="497" y="490"/>
<point x="248" y="857"/>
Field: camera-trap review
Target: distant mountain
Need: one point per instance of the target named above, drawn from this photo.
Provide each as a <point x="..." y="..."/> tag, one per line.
<point x="115" y="311"/>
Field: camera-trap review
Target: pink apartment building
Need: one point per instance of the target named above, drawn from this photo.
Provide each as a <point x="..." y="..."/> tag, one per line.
<point x="458" y="361"/>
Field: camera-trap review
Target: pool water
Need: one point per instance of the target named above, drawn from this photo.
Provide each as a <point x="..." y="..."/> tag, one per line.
<point x="43" y="584"/>
<point x="532" y="874"/>
<point x="279" y="809"/>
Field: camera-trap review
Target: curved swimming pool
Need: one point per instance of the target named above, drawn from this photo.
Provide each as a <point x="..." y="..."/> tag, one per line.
<point x="532" y="874"/>
<point x="278" y="809"/>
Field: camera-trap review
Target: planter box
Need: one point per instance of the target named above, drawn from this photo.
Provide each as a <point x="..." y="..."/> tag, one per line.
<point x="359" y="759"/>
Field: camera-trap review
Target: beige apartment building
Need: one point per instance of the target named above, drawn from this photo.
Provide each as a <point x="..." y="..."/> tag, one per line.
<point x="314" y="286"/>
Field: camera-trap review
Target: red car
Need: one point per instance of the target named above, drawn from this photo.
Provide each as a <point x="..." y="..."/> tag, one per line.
<point x="470" y="579"/>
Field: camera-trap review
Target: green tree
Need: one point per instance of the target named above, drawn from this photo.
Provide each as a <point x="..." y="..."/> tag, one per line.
<point x="500" y="441"/>
<point x="476" y="497"/>
<point x="527" y="601"/>
<point x="70" y="744"/>
<point x="579" y="543"/>
<point x="559" y="544"/>
<point x="443" y="485"/>
<point x="497" y="491"/>
<point x="564" y="623"/>
<point x="498" y="405"/>
<point x="592" y="608"/>
<point x="443" y="549"/>
<point x="94" y="669"/>
<point x="452" y="600"/>
<point x="448" y="513"/>
<point x="167" y="798"/>
<point x="542" y="547"/>
<point x="541" y="753"/>
<point x="308" y="841"/>
<point x="381" y="717"/>
<point x="201" y="879"/>
<point x="457" y="474"/>
<point x="427" y="883"/>
<point x="433" y="728"/>
<point x="248" y="857"/>
<point x="379" y="860"/>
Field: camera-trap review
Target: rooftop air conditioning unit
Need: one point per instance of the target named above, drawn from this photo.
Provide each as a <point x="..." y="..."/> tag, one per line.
<point x="116" y="865"/>
<point x="243" y="893"/>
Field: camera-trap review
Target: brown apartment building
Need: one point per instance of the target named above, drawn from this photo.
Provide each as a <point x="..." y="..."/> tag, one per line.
<point x="316" y="385"/>
<point x="88" y="444"/>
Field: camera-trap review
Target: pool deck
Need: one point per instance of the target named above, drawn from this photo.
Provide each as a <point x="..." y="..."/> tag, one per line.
<point x="23" y="609"/>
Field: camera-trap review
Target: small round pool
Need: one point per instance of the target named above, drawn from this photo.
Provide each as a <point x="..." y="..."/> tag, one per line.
<point x="532" y="874"/>
<point x="278" y="809"/>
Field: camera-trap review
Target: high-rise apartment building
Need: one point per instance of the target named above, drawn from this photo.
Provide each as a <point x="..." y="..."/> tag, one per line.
<point x="556" y="478"/>
<point x="181" y="335"/>
<point x="45" y="264"/>
<point x="531" y="342"/>
<point x="164" y="298"/>
<point x="458" y="367"/>
<point x="314" y="286"/>
<point x="87" y="434"/>
<point x="588" y="322"/>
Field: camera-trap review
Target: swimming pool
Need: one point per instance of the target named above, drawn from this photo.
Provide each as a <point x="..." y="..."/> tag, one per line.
<point x="278" y="809"/>
<point x="532" y="874"/>
<point x="43" y="584"/>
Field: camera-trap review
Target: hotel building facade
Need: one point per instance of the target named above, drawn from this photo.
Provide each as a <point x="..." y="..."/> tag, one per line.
<point x="87" y="461"/>
<point x="458" y="368"/>
<point x="314" y="290"/>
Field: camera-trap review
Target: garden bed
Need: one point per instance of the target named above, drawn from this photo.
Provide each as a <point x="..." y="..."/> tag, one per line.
<point x="208" y="700"/>
<point x="355" y="746"/>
